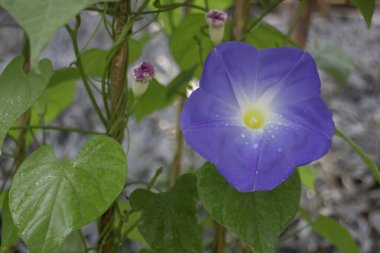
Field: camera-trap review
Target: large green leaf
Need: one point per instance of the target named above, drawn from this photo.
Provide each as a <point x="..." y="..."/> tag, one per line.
<point x="331" y="230"/>
<point x="19" y="91"/>
<point x="41" y="19"/>
<point x="257" y="217"/>
<point x="361" y="153"/>
<point x="190" y="43"/>
<point x="334" y="61"/>
<point x="168" y="221"/>
<point x="366" y="7"/>
<point x="9" y="233"/>
<point x="49" y="198"/>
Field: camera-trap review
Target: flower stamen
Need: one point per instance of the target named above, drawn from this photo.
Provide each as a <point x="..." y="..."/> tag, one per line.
<point x="254" y="118"/>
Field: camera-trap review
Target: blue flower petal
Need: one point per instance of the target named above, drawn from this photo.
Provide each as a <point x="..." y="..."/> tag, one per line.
<point x="230" y="72"/>
<point x="211" y="142"/>
<point x="238" y="163"/>
<point x="205" y="110"/>
<point x="312" y="114"/>
<point x="286" y="145"/>
<point x="287" y="75"/>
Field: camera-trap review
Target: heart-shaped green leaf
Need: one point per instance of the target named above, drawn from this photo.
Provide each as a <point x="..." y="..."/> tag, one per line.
<point x="168" y="221"/>
<point x="257" y="217"/>
<point x="49" y="198"/>
<point x="41" y="19"/>
<point x="19" y="91"/>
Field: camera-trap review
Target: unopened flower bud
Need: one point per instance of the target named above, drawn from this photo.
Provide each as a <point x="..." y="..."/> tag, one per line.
<point x="216" y="20"/>
<point x="141" y="76"/>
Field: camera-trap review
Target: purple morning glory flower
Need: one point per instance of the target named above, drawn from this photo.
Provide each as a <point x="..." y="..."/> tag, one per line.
<point x="258" y="114"/>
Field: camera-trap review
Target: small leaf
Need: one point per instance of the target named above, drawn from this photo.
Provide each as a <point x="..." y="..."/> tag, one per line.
<point x="136" y="47"/>
<point x="218" y="5"/>
<point x="158" y="96"/>
<point x="257" y="217"/>
<point x="9" y="235"/>
<point x="168" y="19"/>
<point x="41" y="19"/>
<point x="331" y="230"/>
<point x="58" y="95"/>
<point x="73" y="244"/>
<point x="362" y="154"/>
<point x="19" y="91"/>
<point x="94" y="61"/>
<point x="266" y="36"/>
<point x="63" y="75"/>
<point x="334" y="61"/>
<point x="307" y="175"/>
<point x="168" y="221"/>
<point x="130" y="225"/>
<point x="50" y="198"/>
<point x="190" y="43"/>
<point x="366" y="7"/>
<point x="153" y="99"/>
<point x="179" y="84"/>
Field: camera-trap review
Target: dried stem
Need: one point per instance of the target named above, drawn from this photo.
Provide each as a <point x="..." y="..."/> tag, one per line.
<point x="175" y="170"/>
<point x="301" y="30"/>
<point x="240" y="19"/>
<point x="220" y="238"/>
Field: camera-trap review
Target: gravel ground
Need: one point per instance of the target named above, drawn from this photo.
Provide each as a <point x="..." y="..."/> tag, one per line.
<point x="345" y="189"/>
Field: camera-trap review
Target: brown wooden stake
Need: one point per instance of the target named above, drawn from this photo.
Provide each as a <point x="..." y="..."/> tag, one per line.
<point x="301" y="30"/>
<point x="240" y="19"/>
<point x="117" y="123"/>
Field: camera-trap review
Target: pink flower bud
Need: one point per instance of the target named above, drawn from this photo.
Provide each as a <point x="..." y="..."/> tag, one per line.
<point x="216" y="20"/>
<point x="141" y="77"/>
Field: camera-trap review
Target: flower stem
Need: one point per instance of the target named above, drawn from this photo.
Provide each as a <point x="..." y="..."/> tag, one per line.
<point x="57" y="128"/>
<point x="73" y="36"/>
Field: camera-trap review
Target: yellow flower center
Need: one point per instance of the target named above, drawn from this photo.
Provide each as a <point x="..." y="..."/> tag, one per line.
<point x="254" y="118"/>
